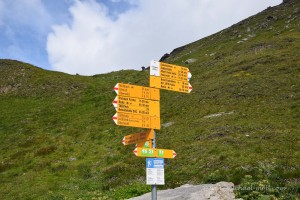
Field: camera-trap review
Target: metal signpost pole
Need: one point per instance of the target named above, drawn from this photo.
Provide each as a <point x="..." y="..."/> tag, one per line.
<point x="153" y="187"/>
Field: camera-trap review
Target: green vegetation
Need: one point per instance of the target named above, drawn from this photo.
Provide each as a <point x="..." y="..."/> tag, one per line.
<point x="58" y="141"/>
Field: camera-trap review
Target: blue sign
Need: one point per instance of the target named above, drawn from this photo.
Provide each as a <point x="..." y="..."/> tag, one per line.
<point x="155" y="163"/>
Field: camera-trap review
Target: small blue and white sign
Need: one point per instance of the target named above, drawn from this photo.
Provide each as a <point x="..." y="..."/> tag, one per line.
<point x="155" y="163"/>
<point x="155" y="171"/>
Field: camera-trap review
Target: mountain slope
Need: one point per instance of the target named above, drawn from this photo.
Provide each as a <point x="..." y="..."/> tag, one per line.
<point x="240" y="123"/>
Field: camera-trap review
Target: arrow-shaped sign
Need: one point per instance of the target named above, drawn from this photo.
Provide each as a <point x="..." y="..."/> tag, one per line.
<point x="169" y="71"/>
<point x="170" y="84"/>
<point x="145" y="144"/>
<point x="136" y="106"/>
<point x="135" y="120"/>
<point x="154" y="153"/>
<point x="137" y="91"/>
<point x="138" y="137"/>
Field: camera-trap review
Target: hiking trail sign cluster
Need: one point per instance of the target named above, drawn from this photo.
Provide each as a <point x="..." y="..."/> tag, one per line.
<point x="139" y="106"/>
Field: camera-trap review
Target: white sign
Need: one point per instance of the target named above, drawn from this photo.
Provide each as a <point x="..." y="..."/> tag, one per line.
<point x="154" y="68"/>
<point x="155" y="171"/>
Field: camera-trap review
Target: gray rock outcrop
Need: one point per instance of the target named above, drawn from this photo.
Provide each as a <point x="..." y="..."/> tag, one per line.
<point x="218" y="191"/>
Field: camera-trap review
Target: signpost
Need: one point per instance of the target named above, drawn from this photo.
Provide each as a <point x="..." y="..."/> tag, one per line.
<point x="139" y="106"/>
<point x="154" y="153"/>
<point x="135" y="120"/>
<point x="136" y="106"/>
<point x="155" y="172"/>
<point x="138" y="137"/>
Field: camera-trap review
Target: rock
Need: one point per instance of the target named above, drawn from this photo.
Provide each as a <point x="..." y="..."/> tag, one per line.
<point x="270" y="17"/>
<point x="72" y="159"/>
<point x="177" y="50"/>
<point x="288" y="1"/>
<point x="191" y="60"/>
<point x="218" y="191"/>
<point x="218" y="114"/>
<point x="164" y="57"/>
<point x="167" y="124"/>
<point x="6" y="89"/>
<point x="145" y="68"/>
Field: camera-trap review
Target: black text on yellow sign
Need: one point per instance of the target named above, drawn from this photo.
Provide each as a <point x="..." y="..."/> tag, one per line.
<point x="170" y="84"/>
<point x="137" y="91"/>
<point x="135" y="120"/>
<point x="169" y="71"/>
<point x="174" y="72"/>
<point x="140" y="137"/>
<point x="137" y="106"/>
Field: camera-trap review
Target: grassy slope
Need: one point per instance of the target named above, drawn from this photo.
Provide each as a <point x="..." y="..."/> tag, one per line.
<point x="57" y="138"/>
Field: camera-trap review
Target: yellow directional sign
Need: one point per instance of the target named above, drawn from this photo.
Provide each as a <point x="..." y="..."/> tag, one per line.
<point x="135" y="120"/>
<point x="170" y="84"/>
<point x="173" y="71"/>
<point x="169" y="71"/>
<point x="137" y="106"/>
<point x="147" y="144"/>
<point x="154" y="153"/>
<point x="137" y="91"/>
<point x="138" y="137"/>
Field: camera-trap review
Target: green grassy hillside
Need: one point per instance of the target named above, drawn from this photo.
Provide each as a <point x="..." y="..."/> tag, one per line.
<point x="241" y="122"/>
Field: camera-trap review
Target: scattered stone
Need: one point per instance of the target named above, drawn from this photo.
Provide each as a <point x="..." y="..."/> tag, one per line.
<point x="191" y="60"/>
<point x="246" y="38"/>
<point x="72" y="159"/>
<point x="251" y="35"/>
<point x="5" y="89"/>
<point x="264" y="25"/>
<point x="218" y="114"/>
<point x="167" y="124"/>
